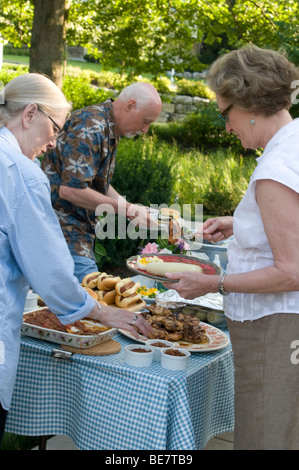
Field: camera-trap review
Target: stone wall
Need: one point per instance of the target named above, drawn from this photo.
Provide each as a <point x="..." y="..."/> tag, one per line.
<point x="180" y="106"/>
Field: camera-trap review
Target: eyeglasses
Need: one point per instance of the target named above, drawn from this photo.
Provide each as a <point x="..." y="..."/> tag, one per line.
<point x="224" y="115"/>
<point x="55" y="124"/>
<point x="52" y="120"/>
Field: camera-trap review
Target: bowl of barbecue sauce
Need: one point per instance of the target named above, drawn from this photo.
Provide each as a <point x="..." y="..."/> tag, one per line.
<point x="158" y="345"/>
<point x="139" y="355"/>
<point x="175" y="358"/>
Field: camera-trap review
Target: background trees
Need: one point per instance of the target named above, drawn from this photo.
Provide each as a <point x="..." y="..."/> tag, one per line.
<point x="147" y="36"/>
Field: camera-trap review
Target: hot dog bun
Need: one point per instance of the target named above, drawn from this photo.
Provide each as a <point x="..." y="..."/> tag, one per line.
<point x="107" y="281"/>
<point x="107" y="296"/>
<point x="175" y="231"/>
<point x="137" y="307"/>
<point x="126" y="287"/>
<point x="167" y="212"/>
<point x="91" y="292"/>
<point x="90" y="280"/>
<point x="125" y="302"/>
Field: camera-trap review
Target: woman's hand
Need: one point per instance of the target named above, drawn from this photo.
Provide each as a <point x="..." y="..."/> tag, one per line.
<point x="120" y="318"/>
<point x="217" y="229"/>
<point x="192" y="285"/>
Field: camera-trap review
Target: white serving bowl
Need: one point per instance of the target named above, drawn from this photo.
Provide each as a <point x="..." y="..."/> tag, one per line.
<point x="157" y="349"/>
<point x="139" y="359"/>
<point x="175" y="362"/>
<point x="31" y="301"/>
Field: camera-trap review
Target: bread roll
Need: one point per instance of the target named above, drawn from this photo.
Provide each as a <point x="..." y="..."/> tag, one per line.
<point x="125" y="302"/>
<point x="107" y="296"/>
<point x="167" y="212"/>
<point x="126" y="287"/>
<point x="107" y="281"/>
<point x="175" y="231"/>
<point x="91" y="292"/>
<point x="90" y="280"/>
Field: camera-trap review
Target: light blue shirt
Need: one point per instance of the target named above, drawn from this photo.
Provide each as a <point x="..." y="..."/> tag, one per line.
<point x="33" y="252"/>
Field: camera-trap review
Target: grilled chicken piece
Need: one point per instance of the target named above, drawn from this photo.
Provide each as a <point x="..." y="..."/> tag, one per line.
<point x="194" y="333"/>
<point x="156" y="310"/>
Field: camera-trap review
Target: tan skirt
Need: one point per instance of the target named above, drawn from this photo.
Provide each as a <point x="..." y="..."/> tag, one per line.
<point x="266" y="382"/>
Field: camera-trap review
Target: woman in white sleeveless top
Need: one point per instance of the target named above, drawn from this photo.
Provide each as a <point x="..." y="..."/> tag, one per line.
<point x="255" y="89"/>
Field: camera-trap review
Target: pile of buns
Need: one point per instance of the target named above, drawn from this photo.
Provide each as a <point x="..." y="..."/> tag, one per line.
<point x="114" y="291"/>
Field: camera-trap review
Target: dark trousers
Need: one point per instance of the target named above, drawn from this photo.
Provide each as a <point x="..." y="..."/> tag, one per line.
<point x="3" y="414"/>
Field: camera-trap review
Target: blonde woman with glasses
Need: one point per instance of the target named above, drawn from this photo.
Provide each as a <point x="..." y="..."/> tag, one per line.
<point x="33" y="251"/>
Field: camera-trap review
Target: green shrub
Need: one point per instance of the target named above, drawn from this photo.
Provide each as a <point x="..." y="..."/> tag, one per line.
<point x="144" y="171"/>
<point x="217" y="179"/>
<point x="149" y="171"/>
<point x="117" y="251"/>
<point x="17" y="51"/>
<point x="10" y="71"/>
<point x="194" y="88"/>
<point x="200" y="129"/>
<point x="295" y="110"/>
<point x="82" y="94"/>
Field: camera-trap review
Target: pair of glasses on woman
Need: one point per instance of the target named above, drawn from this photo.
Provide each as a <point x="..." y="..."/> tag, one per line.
<point x="224" y="115"/>
<point x="58" y="128"/>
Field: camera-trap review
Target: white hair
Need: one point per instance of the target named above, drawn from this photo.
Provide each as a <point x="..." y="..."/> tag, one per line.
<point x="31" y="88"/>
<point x="144" y="94"/>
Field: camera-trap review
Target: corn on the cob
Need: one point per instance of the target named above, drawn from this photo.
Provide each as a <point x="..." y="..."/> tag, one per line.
<point x="159" y="269"/>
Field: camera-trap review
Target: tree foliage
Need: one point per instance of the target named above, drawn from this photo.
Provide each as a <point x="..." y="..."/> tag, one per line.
<point x="157" y="35"/>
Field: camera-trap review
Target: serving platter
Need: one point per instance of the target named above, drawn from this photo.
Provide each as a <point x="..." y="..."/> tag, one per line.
<point x="61" y="337"/>
<point x="217" y="340"/>
<point x="206" y="266"/>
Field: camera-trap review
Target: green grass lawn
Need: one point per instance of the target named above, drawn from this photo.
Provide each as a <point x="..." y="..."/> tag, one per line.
<point x="24" y="60"/>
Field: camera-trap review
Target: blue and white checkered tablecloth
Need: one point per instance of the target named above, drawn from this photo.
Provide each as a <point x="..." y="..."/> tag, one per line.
<point x="103" y="404"/>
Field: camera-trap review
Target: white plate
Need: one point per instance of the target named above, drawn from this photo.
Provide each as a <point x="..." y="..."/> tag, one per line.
<point x="218" y="340"/>
<point x="60" y="337"/>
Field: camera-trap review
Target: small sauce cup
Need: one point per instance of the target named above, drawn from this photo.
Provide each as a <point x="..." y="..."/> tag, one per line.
<point x="139" y="355"/>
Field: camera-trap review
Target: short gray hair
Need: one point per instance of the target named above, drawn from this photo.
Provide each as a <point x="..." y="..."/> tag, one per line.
<point x="254" y="79"/>
<point x="144" y="94"/>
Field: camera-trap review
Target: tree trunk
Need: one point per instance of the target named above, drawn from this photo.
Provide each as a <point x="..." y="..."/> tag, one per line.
<point x="48" y="39"/>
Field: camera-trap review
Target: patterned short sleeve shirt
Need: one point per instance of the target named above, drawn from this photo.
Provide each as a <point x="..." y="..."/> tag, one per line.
<point x="84" y="157"/>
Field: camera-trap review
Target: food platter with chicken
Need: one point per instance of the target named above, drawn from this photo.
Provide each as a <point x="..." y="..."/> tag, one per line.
<point x="185" y="331"/>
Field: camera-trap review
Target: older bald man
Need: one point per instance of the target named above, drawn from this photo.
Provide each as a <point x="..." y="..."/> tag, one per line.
<point x="81" y="167"/>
